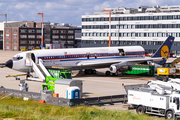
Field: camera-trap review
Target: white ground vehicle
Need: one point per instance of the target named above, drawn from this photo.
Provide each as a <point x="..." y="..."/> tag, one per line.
<point x="159" y="99"/>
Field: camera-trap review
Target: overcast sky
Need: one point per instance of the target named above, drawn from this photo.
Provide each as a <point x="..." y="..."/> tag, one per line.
<point x="67" y="11"/>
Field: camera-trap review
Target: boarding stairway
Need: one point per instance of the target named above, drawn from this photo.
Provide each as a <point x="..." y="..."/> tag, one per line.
<point x="39" y="69"/>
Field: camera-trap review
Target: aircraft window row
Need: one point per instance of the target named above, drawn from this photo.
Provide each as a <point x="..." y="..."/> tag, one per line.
<point x="165" y="17"/>
<point x="133" y="34"/>
<point x="131" y="26"/>
<point x="75" y="56"/>
<point x="134" y="53"/>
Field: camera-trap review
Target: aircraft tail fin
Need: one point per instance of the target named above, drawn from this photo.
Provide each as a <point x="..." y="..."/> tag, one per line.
<point x="164" y="49"/>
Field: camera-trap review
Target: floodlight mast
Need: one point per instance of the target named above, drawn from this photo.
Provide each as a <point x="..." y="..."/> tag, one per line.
<point x="41" y="15"/>
<point x="108" y="11"/>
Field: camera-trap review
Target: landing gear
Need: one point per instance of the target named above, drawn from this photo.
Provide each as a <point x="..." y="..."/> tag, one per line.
<point x="89" y="71"/>
<point x="108" y="73"/>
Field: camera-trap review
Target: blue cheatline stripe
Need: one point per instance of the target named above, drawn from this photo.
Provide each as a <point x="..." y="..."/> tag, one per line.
<point x="99" y="58"/>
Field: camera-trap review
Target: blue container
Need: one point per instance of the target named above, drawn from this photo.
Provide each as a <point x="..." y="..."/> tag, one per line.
<point x="73" y="92"/>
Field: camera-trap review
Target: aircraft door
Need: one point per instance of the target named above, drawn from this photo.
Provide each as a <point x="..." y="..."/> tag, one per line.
<point x="33" y="57"/>
<point x="121" y="52"/>
<point x="29" y="57"/>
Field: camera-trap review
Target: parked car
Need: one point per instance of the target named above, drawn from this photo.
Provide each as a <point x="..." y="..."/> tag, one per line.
<point x="36" y="48"/>
<point x="24" y="49"/>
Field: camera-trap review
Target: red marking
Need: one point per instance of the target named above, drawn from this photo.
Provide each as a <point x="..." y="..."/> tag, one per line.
<point x="41" y="101"/>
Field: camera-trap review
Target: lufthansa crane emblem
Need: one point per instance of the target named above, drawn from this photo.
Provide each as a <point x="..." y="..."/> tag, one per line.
<point x="164" y="51"/>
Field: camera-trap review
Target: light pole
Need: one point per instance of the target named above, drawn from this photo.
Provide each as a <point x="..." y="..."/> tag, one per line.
<point x="41" y="15"/>
<point x="108" y="11"/>
<point x="6" y="26"/>
<point x="5" y="17"/>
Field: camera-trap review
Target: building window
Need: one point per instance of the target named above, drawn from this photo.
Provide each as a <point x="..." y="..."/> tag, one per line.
<point x="7" y="35"/>
<point x="70" y="37"/>
<point x="15" y="47"/>
<point x="15" y="30"/>
<point x="7" y="41"/>
<point x="55" y="31"/>
<point x="70" y="42"/>
<point x="15" y="35"/>
<point x="23" y="36"/>
<point x="7" y="47"/>
<point x="55" y="37"/>
<point x="62" y="37"/>
<point x="70" y="31"/>
<point x="38" y="42"/>
<point x="31" y="36"/>
<point x="31" y="31"/>
<point x="31" y="42"/>
<point x="63" y="31"/>
<point x="23" y="42"/>
<point x="7" y="30"/>
<point x="30" y="47"/>
<point x="38" y="36"/>
<point x="38" y="31"/>
<point x="15" y="42"/>
<point x="23" y="31"/>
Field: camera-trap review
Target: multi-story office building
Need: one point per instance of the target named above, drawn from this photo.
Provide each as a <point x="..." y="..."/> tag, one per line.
<point x="26" y="34"/>
<point x="145" y="26"/>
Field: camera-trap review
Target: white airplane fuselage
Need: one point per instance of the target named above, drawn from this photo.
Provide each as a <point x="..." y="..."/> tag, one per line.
<point x="77" y="58"/>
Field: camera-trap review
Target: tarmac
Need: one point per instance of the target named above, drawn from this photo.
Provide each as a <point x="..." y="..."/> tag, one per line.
<point x="94" y="85"/>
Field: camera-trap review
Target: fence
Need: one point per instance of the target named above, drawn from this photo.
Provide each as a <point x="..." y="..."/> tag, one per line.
<point x="63" y="101"/>
<point x="35" y="96"/>
<point x="100" y="100"/>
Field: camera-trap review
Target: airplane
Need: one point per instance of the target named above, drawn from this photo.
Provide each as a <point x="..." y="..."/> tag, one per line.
<point x="117" y="59"/>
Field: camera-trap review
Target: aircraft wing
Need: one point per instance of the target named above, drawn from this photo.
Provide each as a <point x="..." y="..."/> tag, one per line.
<point x="93" y="64"/>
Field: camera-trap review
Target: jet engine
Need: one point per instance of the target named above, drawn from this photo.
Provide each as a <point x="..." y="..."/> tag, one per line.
<point x="115" y="69"/>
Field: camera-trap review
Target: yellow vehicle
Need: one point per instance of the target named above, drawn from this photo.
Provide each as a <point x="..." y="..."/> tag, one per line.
<point x="24" y="49"/>
<point x="168" y="70"/>
<point x="36" y="48"/>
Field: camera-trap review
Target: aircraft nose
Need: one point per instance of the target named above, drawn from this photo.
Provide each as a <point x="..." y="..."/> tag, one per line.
<point x="9" y="64"/>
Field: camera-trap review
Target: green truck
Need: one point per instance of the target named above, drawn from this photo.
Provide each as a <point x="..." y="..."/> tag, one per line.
<point x="146" y="70"/>
<point x="63" y="73"/>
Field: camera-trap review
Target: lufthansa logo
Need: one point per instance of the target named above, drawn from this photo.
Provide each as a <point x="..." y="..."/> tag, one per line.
<point x="164" y="51"/>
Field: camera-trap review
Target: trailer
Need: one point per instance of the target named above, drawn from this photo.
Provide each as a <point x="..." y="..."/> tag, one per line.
<point x="146" y="70"/>
<point x="158" y="99"/>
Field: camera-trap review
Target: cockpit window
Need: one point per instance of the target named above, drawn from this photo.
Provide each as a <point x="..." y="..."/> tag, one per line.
<point x="18" y="57"/>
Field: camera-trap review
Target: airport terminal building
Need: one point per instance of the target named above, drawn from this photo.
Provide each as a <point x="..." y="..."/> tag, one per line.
<point x="145" y="26"/>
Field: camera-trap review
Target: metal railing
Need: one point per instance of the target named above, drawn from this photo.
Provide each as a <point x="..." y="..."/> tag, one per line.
<point x="49" y="99"/>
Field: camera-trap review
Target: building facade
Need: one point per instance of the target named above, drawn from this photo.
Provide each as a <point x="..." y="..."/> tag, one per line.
<point x="145" y="26"/>
<point x="18" y="35"/>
